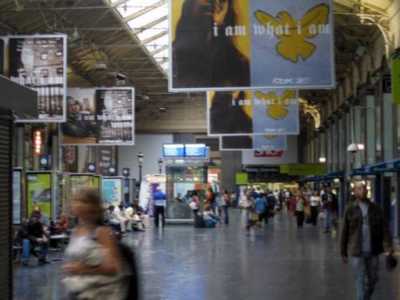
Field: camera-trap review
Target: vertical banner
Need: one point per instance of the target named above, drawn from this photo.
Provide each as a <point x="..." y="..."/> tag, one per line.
<point x="104" y="116"/>
<point x="251" y="44"/>
<point x="38" y="187"/>
<point x="273" y="112"/>
<point x="17" y="195"/>
<point x="276" y="143"/>
<point x="39" y="62"/>
<point x="396" y="77"/>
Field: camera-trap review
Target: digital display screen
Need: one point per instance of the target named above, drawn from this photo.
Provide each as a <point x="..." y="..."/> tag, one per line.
<point x="196" y="150"/>
<point x="174" y="150"/>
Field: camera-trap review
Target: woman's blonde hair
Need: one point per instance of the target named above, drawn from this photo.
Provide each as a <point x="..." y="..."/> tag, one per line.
<point x="91" y="197"/>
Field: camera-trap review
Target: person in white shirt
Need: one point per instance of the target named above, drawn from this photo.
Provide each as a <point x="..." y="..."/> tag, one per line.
<point x="124" y="222"/>
<point x="315" y="204"/>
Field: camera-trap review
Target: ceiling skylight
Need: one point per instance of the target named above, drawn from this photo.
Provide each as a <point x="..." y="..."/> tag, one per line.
<point x="148" y="20"/>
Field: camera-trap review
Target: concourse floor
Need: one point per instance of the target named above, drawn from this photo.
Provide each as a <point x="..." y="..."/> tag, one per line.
<point x="278" y="262"/>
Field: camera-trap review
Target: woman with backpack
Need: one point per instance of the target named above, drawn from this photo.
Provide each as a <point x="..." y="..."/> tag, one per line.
<point x="95" y="267"/>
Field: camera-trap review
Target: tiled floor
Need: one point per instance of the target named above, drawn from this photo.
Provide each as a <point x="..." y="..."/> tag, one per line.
<point x="275" y="263"/>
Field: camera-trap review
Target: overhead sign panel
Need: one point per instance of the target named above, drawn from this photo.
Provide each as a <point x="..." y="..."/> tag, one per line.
<point x="273" y="112"/>
<point x="251" y="44"/>
<point x="39" y="62"/>
<point x="101" y="116"/>
<point x="271" y="143"/>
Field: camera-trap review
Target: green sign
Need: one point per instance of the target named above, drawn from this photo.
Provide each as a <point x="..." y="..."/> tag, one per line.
<point x="242" y="178"/>
<point x="39" y="192"/>
<point x="396" y="77"/>
<point x="304" y="169"/>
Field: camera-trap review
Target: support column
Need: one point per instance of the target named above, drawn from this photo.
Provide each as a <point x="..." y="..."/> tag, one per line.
<point x="231" y="164"/>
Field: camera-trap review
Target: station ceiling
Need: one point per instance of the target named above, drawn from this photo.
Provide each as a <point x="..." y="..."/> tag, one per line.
<point x="130" y="37"/>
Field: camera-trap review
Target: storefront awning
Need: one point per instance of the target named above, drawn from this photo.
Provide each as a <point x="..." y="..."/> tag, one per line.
<point x="19" y="99"/>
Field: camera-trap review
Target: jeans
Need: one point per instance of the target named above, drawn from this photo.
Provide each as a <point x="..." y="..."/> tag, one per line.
<point x="314" y="215"/>
<point x="27" y="249"/>
<point x="366" y="269"/>
<point x="226" y="214"/>
<point x="159" y="210"/>
<point x="328" y="220"/>
<point x="300" y="218"/>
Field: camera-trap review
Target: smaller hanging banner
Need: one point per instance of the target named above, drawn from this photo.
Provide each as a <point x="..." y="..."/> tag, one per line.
<point x="274" y="112"/>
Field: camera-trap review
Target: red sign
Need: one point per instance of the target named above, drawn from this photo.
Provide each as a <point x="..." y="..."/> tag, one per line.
<point x="272" y="153"/>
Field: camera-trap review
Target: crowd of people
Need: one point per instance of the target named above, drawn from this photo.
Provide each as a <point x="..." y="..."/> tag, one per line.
<point x="95" y="254"/>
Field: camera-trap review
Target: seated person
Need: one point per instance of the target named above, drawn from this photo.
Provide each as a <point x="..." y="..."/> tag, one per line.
<point x="124" y="222"/>
<point x="111" y="219"/>
<point x="62" y="224"/>
<point x="135" y="220"/>
<point x="35" y="237"/>
<point x="210" y="218"/>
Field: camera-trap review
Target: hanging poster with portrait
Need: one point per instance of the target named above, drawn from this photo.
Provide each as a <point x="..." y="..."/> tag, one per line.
<point x="251" y="44"/>
<point x="103" y="116"/>
<point x="272" y="112"/>
<point x="256" y="142"/>
<point x="39" y="62"/>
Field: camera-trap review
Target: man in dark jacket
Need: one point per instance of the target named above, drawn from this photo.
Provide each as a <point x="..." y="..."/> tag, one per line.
<point x="365" y="235"/>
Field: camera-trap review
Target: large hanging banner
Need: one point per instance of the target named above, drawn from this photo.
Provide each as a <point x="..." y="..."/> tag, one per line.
<point x="251" y="44"/>
<point x="103" y="116"/>
<point x="38" y="189"/>
<point x="273" y="112"/>
<point x="39" y="62"/>
<point x="276" y="143"/>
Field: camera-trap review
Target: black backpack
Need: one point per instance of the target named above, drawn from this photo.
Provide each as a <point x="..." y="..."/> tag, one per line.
<point x="132" y="280"/>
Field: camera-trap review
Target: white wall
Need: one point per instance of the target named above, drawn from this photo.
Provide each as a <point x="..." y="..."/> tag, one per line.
<point x="151" y="146"/>
<point x="290" y="155"/>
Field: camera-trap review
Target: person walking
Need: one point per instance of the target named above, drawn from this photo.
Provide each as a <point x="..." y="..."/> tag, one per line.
<point x="160" y="202"/>
<point x="94" y="267"/>
<point x="226" y="197"/>
<point x="315" y="204"/>
<point x="365" y="235"/>
<point x="329" y="202"/>
<point x="300" y="209"/>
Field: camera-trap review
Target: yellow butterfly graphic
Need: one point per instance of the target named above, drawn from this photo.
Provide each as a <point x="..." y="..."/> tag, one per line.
<point x="278" y="107"/>
<point x="292" y="35"/>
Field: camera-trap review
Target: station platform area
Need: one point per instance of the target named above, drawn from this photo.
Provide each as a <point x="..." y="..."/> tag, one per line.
<point x="278" y="262"/>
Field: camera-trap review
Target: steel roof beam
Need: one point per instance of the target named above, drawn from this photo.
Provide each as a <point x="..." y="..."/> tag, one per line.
<point x="144" y="11"/>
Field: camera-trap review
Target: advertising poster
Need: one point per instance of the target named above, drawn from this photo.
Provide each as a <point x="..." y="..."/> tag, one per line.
<point x="257" y="142"/>
<point x="273" y="112"/>
<point x="100" y="117"/>
<point x="79" y="182"/>
<point x="70" y="158"/>
<point x="251" y="44"/>
<point x="112" y="191"/>
<point x="38" y="187"/>
<point x="396" y="77"/>
<point x="17" y="195"/>
<point x="39" y="62"/>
